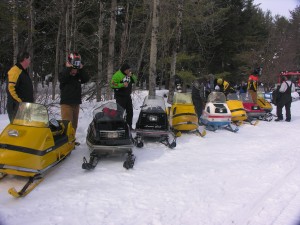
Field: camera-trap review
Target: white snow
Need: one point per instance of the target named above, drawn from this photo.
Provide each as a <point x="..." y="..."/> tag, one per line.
<point x="251" y="177"/>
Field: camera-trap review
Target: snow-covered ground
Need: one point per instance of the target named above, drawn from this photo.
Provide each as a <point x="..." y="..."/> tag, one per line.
<point x="251" y="177"/>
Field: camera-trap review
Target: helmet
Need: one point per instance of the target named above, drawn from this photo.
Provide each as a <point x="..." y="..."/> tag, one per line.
<point x="257" y="71"/>
<point x="75" y="59"/>
<point x="219" y="81"/>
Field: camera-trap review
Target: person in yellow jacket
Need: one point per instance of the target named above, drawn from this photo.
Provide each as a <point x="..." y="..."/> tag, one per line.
<point x="253" y="84"/>
<point x="19" y="84"/>
<point x="225" y="86"/>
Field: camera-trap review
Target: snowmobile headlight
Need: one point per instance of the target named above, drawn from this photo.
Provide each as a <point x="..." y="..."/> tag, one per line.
<point x="13" y="133"/>
<point x="152" y="118"/>
<point x="255" y="107"/>
<point x="112" y="135"/>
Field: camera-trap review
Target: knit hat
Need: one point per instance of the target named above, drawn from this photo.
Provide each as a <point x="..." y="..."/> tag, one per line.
<point x="124" y="67"/>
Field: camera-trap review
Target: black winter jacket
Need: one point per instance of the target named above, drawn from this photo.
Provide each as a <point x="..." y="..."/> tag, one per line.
<point x="70" y="86"/>
<point x="19" y="85"/>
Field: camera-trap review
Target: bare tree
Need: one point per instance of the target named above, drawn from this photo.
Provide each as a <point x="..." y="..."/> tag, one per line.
<point x="124" y="36"/>
<point x="15" y="30"/>
<point x="100" y="56"/>
<point x="31" y="47"/>
<point x="153" y="48"/>
<point x="111" y="47"/>
<point x="175" y="51"/>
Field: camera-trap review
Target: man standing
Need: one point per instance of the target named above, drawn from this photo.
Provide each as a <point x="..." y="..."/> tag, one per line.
<point x="121" y="83"/>
<point x="252" y="84"/>
<point x="198" y="96"/>
<point x="19" y="84"/>
<point x="284" y="98"/>
<point x="71" y="78"/>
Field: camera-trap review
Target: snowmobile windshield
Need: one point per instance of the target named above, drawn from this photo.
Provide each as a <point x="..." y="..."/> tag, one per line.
<point x="216" y="97"/>
<point x="182" y="98"/>
<point x="154" y="104"/>
<point x="261" y="92"/>
<point x="109" y="111"/>
<point x="245" y="97"/>
<point x="233" y="96"/>
<point x="32" y="115"/>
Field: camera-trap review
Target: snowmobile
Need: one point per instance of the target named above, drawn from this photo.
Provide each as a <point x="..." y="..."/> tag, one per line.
<point x="109" y="135"/>
<point x="238" y="113"/>
<point x="153" y="123"/>
<point x="265" y="105"/>
<point x="182" y="114"/>
<point x="31" y="145"/>
<point x="254" y="112"/>
<point x="216" y="114"/>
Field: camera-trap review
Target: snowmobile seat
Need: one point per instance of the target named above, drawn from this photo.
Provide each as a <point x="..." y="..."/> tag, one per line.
<point x="56" y="127"/>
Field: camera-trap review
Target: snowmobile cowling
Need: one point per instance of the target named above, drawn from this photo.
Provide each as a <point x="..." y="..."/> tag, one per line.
<point x="30" y="144"/>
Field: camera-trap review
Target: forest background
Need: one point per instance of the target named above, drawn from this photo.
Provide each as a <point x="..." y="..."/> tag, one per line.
<point x="161" y="40"/>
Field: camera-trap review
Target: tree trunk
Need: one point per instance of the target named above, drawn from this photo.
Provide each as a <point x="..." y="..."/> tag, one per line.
<point x="30" y="48"/>
<point x="124" y="37"/>
<point x="57" y="51"/>
<point x="100" y="56"/>
<point x="140" y="80"/>
<point x="153" y="50"/>
<point x="67" y="31"/>
<point x="15" y="30"/>
<point x="175" y="51"/>
<point x="111" y="48"/>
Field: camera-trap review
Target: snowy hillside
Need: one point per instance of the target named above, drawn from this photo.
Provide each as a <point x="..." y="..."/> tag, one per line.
<point x="246" y="178"/>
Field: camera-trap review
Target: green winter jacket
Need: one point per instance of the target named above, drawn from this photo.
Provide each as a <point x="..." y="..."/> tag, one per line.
<point x="117" y="83"/>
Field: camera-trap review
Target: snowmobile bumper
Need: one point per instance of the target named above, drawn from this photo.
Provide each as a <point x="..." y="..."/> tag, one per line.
<point x="152" y="133"/>
<point x="256" y="114"/>
<point x="105" y="149"/>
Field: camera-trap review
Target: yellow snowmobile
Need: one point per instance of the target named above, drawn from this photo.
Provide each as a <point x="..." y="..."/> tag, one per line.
<point x="265" y="105"/>
<point x="238" y="113"/>
<point x="182" y="114"/>
<point x="31" y="145"/>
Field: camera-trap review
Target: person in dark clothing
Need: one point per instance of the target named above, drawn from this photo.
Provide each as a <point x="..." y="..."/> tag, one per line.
<point x="19" y="85"/>
<point x="121" y="83"/>
<point x="243" y="87"/>
<point x="284" y="99"/>
<point x="71" y="78"/>
<point x="198" y="96"/>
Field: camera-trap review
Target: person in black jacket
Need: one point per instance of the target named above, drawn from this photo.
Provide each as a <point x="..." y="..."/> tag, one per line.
<point x="19" y="84"/>
<point x="70" y="79"/>
<point x="198" y="96"/>
<point x="284" y="99"/>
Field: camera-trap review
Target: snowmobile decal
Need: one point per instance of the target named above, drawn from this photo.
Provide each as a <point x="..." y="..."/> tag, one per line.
<point x="28" y="150"/>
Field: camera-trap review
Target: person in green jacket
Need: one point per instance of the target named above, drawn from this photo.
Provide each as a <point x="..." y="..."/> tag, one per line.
<point x="121" y="83"/>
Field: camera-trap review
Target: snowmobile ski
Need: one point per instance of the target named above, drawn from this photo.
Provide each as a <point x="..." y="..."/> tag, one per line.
<point x="94" y="159"/>
<point x="199" y="133"/>
<point x="232" y="128"/>
<point x="268" y="117"/>
<point x="2" y="175"/>
<point x="129" y="162"/>
<point x="27" y="188"/>
<point x="254" y="122"/>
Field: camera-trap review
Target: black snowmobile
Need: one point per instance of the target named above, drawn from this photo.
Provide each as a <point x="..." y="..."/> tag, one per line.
<point x="109" y="134"/>
<point x="153" y="123"/>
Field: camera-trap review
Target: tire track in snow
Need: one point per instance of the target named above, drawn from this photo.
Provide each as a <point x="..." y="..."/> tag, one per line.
<point x="268" y="207"/>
